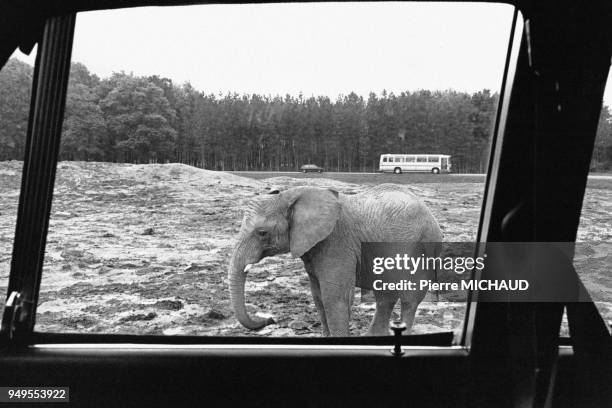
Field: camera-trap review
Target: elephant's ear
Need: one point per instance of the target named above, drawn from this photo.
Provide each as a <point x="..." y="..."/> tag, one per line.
<point x="312" y="217"/>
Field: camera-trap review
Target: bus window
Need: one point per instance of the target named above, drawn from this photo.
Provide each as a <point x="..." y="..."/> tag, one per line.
<point x="384" y="159"/>
<point x="398" y="159"/>
<point x="433" y="159"/>
<point x="421" y="159"/>
<point x="410" y="159"/>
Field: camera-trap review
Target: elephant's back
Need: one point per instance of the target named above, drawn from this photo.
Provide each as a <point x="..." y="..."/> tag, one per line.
<point x="397" y="214"/>
<point x="386" y="197"/>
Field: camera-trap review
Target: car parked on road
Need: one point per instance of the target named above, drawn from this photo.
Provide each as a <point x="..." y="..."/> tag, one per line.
<point x="311" y="168"/>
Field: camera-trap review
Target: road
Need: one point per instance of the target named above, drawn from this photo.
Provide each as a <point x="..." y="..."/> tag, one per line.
<point x="594" y="176"/>
<point x="370" y="178"/>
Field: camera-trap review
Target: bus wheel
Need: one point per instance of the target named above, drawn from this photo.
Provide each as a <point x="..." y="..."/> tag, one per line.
<point x="435" y="170"/>
<point x="397" y="170"/>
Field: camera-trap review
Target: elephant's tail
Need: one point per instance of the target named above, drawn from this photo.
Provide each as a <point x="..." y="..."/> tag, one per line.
<point x="436" y="250"/>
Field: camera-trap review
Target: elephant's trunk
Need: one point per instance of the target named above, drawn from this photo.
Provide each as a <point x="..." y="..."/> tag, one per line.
<point x="243" y="253"/>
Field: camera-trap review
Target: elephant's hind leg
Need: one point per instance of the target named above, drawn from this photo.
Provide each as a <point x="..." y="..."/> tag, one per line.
<point x="408" y="312"/>
<point x="380" y="323"/>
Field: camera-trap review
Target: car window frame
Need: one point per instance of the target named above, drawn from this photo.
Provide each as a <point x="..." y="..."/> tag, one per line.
<point x="60" y="41"/>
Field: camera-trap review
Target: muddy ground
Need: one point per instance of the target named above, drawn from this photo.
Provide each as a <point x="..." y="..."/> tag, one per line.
<point x="144" y="249"/>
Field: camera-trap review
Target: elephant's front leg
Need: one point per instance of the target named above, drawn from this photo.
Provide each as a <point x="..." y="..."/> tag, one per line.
<point x="337" y="304"/>
<point x="334" y="270"/>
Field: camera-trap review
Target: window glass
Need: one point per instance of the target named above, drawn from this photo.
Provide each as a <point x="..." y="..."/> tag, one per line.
<point x="410" y="159"/>
<point x="421" y="159"/>
<point x="384" y="159"/>
<point x="171" y="138"/>
<point x="15" y="92"/>
<point x="433" y="159"/>
<point x="594" y="248"/>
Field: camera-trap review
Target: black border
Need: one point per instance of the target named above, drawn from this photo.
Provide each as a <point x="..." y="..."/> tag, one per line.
<point x="42" y="142"/>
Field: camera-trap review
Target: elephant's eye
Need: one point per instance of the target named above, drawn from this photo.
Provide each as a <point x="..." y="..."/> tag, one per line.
<point x="262" y="232"/>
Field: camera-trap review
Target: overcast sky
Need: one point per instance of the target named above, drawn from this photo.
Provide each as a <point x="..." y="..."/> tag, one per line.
<point x="316" y="49"/>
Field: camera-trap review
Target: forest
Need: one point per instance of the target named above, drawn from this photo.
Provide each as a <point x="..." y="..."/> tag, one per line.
<point x="149" y="119"/>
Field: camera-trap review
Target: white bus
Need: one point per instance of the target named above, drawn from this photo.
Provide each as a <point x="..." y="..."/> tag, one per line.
<point x="399" y="163"/>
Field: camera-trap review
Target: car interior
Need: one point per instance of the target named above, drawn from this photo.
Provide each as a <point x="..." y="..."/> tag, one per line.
<point x="509" y="354"/>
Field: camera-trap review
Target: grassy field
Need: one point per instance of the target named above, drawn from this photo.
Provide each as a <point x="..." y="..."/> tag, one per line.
<point x="144" y="248"/>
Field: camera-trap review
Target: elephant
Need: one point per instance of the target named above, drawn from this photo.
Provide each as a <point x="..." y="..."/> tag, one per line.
<point x="325" y="229"/>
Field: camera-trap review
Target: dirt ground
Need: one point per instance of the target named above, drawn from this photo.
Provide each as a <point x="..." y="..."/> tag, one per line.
<point x="144" y="249"/>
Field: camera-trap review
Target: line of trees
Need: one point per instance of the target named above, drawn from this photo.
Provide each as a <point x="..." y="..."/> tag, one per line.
<point x="136" y="119"/>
